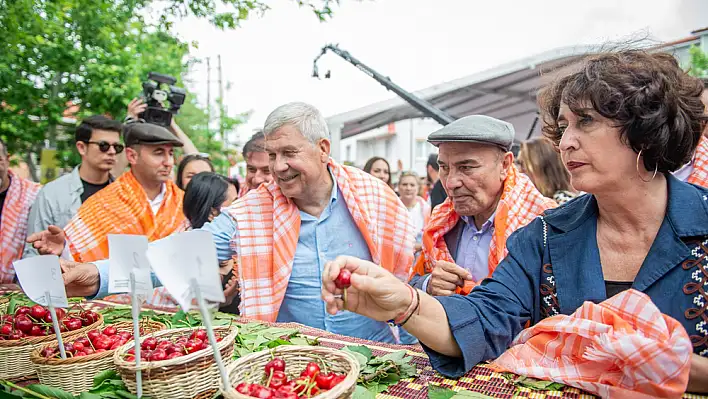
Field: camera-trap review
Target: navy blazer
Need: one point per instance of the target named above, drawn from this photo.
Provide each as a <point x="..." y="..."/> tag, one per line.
<point x="539" y="279"/>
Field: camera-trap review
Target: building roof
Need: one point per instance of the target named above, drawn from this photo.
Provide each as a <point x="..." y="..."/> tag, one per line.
<point x="506" y="92"/>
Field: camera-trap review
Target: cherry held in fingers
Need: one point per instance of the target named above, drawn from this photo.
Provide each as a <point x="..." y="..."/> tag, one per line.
<point x="343" y="281"/>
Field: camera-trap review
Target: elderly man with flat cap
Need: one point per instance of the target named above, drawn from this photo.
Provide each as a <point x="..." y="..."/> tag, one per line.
<point x="488" y="199"/>
<point x="143" y="201"/>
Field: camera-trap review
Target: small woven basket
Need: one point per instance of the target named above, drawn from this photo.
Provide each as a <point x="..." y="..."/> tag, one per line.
<point x="15" y="361"/>
<point x="75" y="374"/>
<point x="183" y="377"/>
<point x="250" y="368"/>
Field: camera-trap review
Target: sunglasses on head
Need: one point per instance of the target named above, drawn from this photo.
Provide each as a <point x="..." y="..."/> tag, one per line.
<point x="104" y="146"/>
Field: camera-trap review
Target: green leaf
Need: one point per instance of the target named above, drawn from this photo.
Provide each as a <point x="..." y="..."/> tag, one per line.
<point x="438" y="392"/>
<point x="363" y="393"/>
<point x="50" y="391"/>
<point x="89" y="395"/>
<point x="362" y="350"/>
<point x="396" y="357"/>
<point x="103" y="376"/>
<point x="359" y="357"/>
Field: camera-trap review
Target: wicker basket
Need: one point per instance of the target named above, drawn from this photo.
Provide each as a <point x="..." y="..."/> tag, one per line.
<point x="76" y="374"/>
<point x="250" y="368"/>
<point x="183" y="377"/>
<point x="15" y="361"/>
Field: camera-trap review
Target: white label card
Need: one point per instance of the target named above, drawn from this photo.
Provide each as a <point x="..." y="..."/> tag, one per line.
<point x="41" y="274"/>
<point x="181" y="257"/>
<point x="127" y="255"/>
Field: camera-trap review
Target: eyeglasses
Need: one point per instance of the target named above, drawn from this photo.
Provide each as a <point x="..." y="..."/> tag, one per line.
<point x="104" y="146"/>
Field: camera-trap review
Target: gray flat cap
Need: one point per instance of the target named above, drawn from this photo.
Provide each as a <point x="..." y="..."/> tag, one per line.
<point x="476" y="129"/>
<point x="147" y="133"/>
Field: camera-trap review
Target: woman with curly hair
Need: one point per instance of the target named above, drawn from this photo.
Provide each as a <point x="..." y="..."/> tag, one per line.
<point x="540" y="161"/>
<point x="623" y="123"/>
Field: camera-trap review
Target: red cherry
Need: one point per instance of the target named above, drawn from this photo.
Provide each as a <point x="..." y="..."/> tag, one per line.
<point x="100" y="350"/>
<point x="261" y="392"/>
<point x="158" y="355"/>
<point x="125" y="335"/>
<point x="301" y="384"/>
<point x="115" y="345"/>
<point x="193" y="345"/>
<point x="276" y="364"/>
<point x="243" y="388"/>
<point x="36" y="331"/>
<point x="69" y="347"/>
<point x="88" y="317"/>
<point x="16" y="335"/>
<point x="23" y="324"/>
<point x="89" y="351"/>
<point x="311" y="370"/>
<point x="47" y="352"/>
<point x="149" y="343"/>
<point x="102" y="342"/>
<point x="7" y="318"/>
<point x="23" y="310"/>
<point x="37" y="312"/>
<point x="6" y="329"/>
<point x="78" y="346"/>
<point x="93" y="334"/>
<point x="199" y="334"/>
<point x="337" y="379"/>
<point x="83" y="341"/>
<point x="284" y="394"/>
<point x="277" y="379"/>
<point x="344" y="279"/>
<point x="129" y="358"/>
<point x="79" y="354"/>
<point x="72" y="324"/>
<point x="174" y="355"/>
<point x="110" y="330"/>
<point x="324" y="380"/>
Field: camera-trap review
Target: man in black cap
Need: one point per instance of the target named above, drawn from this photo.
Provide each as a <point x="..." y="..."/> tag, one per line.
<point x="488" y="200"/>
<point x="143" y="201"/>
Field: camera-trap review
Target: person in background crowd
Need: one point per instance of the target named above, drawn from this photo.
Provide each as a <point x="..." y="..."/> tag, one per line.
<point x="283" y="232"/>
<point x="205" y="195"/>
<point x="16" y="197"/>
<point x="257" y="164"/>
<point x="437" y="191"/>
<point x="98" y="142"/>
<point x="418" y="208"/>
<point x="234" y="182"/>
<point x="488" y="200"/>
<point x="623" y="122"/>
<point x="695" y="171"/>
<point x="540" y="161"/>
<point x="378" y="167"/>
<point x="144" y="201"/>
<point x="190" y="166"/>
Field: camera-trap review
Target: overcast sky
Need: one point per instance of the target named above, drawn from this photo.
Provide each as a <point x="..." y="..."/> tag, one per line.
<point x="417" y="43"/>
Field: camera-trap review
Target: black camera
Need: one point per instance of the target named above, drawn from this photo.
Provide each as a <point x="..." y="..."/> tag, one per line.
<point x="157" y="91"/>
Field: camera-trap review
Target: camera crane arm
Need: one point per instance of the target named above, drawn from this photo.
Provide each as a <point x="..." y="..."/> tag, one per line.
<point x="418" y="103"/>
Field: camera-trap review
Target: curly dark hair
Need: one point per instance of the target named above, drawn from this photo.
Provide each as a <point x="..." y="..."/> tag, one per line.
<point x="654" y="103"/>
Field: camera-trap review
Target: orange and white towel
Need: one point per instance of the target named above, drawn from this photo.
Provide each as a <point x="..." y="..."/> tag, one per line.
<point x="699" y="175"/>
<point x="269" y="227"/>
<point x="123" y="208"/>
<point x="623" y="347"/>
<point x="520" y="203"/>
<point x="13" y="226"/>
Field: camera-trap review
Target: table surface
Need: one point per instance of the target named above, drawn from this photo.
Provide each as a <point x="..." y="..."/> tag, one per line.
<point x="480" y="379"/>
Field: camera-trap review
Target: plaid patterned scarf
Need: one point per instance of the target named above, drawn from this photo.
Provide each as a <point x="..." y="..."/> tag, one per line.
<point x="269" y="227"/>
<point x="519" y="204"/>
<point x="699" y="176"/>
<point x="622" y="348"/>
<point x="13" y="225"/>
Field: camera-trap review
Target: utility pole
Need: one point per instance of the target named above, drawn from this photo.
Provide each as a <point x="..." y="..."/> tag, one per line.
<point x="208" y="110"/>
<point x="221" y="105"/>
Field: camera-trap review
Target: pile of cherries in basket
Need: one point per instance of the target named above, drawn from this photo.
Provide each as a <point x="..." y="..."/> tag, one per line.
<point x="36" y="321"/>
<point x="311" y="382"/>
<point x="155" y="350"/>
<point x="95" y="341"/>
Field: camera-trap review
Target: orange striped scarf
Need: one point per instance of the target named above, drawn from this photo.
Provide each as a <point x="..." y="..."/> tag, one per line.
<point x="622" y="348"/>
<point x="699" y="176"/>
<point x="519" y="204"/>
<point x="123" y="208"/>
<point x="13" y="225"/>
<point x="269" y="227"/>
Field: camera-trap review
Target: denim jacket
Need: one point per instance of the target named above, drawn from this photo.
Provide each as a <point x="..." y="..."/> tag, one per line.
<point x="553" y="266"/>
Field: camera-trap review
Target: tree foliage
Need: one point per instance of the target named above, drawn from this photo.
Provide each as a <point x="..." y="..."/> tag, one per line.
<point x="94" y="54"/>
<point x="699" y="63"/>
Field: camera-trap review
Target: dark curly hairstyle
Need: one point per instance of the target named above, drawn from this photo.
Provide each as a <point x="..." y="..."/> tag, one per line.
<point x="654" y="103"/>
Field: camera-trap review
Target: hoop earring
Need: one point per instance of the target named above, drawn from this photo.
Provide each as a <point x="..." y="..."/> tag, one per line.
<point x="639" y="174"/>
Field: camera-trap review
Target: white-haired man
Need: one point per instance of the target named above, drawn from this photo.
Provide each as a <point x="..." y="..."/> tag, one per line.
<point x="284" y="232"/>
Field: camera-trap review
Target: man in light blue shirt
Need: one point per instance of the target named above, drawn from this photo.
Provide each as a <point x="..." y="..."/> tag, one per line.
<point x="475" y="161"/>
<point x="298" y="146"/>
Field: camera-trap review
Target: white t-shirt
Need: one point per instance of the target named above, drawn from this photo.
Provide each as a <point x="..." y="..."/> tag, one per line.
<point x="416" y="214"/>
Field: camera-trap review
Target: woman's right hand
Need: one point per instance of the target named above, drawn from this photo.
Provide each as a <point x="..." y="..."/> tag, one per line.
<point x="374" y="292"/>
